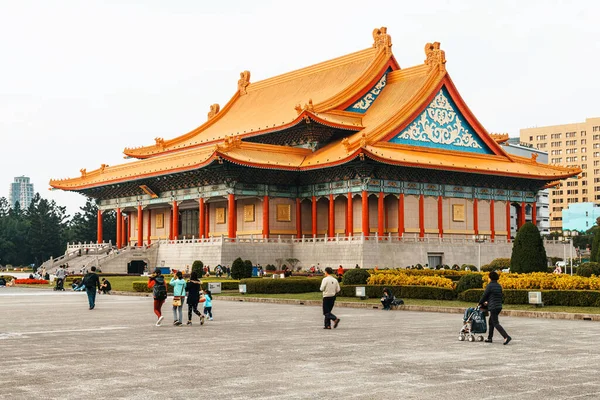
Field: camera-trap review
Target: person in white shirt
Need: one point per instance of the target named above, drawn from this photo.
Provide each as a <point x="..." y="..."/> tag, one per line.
<point x="330" y="287"/>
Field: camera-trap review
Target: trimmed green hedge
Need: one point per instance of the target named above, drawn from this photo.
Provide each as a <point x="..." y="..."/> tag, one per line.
<point x="273" y="286"/>
<point x="142" y="286"/>
<point x="407" y="292"/>
<point x="570" y="298"/>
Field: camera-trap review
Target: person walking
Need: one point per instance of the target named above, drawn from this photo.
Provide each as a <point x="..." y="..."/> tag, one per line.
<point x="178" y="284"/>
<point x="156" y="281"/>
<point x="192" y="288"/>
<point x="208" y="304"/>
<point x="91" y="283"/>
<point x="492" y="299"/>
<point x="330" y="288"/>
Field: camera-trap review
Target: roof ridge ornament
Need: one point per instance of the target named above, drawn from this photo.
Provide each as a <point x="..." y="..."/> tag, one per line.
<point x="159" y="142"/>
<point x="214" y="110"/>
<point x="307" y="107"/>
<point x="243" y="82"/>
<point x="381" y="39"/>
<point x="230" y="143"/>
<point x="436" y="58"/>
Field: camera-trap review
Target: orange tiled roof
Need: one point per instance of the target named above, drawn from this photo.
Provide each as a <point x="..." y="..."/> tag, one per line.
<point x="269" y="104"/>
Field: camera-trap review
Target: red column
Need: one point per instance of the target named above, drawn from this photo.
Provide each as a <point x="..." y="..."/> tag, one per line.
<point x="365" y="213"/>
<point x="175" y="220"/>
<point x="266" y="217"/>
<point x="492" y="222"/>
<point x="119" y="230"/>
<point x="401" y="215"/>
<point x="380" y="225"/>
<point x="522" y="214"/>
<point x="201" y="218"/>
<point x="149" y="235"/>
<point x="508" y="220"/>
<point x="171" y="224"/>
<point x="207" y="219"/>
<point x="421" y="216"/>
<point x="350" y="216"/>
<point x="231" y="215"/>
<point x="140" y="226"/>
<point x="298" y="219"/>
<point x="534" y="213"/>
<point x="475" y="217"/>
<point x="331" y="228"/>
<point x="440" y="216"/>
<point x="99" y="223"/>
<point x="314" y="216"/>
<point x="125" y="226"/>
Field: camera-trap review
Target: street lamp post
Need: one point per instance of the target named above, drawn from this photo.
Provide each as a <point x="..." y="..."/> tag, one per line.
<point x="479" y="239"/>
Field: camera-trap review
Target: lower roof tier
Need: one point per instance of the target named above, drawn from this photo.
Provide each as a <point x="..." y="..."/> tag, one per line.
<point x="358" y="174"/>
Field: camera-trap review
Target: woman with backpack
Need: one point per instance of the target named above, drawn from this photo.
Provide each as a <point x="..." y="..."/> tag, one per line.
<point x="159" y="291"/>
<point x="192" y="288"/>
<point x="178" y="284"/>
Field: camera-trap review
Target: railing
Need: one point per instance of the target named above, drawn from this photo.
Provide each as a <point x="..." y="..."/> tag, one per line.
<point x="325" y="239"/>
<point x="90" y="246"/>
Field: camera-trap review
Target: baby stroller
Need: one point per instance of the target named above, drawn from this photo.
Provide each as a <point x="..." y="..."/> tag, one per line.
<point x="60" y="284"/>
<point x="473" y="324"/>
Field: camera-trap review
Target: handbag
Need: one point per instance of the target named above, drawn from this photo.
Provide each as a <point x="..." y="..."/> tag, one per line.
<point x="177" y="301"/>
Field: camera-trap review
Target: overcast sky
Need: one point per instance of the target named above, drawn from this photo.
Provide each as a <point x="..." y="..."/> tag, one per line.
<point x="81" y="80"/>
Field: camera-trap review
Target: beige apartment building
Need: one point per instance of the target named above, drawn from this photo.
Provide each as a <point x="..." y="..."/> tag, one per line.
<point x="575" y="144"/>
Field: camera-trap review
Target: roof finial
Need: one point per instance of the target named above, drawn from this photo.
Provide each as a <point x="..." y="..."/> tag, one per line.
<point x="214" y="110"/>
<point x="83" y="172"/>
<point x="243" y="82"/>
<point x="436" y="58"/>
<point x="381" y="39"/>
<point x="307" y="107"/>
<point x="159" y="142"/>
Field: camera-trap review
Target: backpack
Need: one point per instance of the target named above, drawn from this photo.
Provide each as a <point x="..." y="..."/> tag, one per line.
<point x="160" y="292"/>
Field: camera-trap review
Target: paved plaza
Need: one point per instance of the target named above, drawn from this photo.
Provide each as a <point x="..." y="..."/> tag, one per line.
<point x="52" y="346"/>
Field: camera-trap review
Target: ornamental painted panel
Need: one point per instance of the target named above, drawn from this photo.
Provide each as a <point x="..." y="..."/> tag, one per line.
<point x="159" y="220"/>
<point x="220" y="215"/>
<point x="249" y="213"/>
<point x="363" y="104"/>
<point x="284" y="213"/>
<point x="458" y="212"/>
<point x="442" y="126"/>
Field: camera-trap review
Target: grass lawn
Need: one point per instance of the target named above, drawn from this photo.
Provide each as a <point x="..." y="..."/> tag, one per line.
<point x="423" y="302"/>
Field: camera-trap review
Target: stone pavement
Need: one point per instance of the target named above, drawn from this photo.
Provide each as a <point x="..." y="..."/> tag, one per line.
<point x="52" y="346"/>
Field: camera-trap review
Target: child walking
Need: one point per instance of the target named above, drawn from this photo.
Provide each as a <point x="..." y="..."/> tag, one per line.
<point x="178" y="284"/>
<point x="208" y="304"/>
<point x="192" y="288"/>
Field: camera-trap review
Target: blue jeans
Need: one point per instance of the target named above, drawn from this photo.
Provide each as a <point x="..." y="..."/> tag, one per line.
<point x="208" y="311"/>
<point x="91" y="294"/>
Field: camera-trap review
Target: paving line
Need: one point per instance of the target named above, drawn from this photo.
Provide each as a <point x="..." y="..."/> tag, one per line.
<point x="21" y="334"/>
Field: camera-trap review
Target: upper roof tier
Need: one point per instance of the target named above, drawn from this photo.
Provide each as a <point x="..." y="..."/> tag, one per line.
<point x="273" y="104"/>
<point x="412" y="117"/>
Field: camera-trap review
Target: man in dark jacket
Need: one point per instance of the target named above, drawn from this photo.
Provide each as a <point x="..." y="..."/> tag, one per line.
<point x="91" y="282"/>
<point x="492" y="299"/>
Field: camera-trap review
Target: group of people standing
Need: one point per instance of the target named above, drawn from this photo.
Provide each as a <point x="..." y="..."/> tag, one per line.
<point x="182" y="289"/>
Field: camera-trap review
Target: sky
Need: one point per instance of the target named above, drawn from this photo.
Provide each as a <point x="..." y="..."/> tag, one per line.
<point x="82" y="80"/>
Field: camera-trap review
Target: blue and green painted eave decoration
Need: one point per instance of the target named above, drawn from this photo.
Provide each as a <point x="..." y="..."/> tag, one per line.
<point x="363" y="104"/>
<point x="442" y="126"/>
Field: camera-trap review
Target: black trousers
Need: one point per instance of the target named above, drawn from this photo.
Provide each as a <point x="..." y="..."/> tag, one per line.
<point x="328" y="303"/>
<point x="495" y="324"/>
<point x="194" y="308"/>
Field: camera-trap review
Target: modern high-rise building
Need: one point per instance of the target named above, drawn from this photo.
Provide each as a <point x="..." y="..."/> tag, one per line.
<point x="576" y="144"/>
<point x="21" y="190"/>
<point x="542" y="214"/>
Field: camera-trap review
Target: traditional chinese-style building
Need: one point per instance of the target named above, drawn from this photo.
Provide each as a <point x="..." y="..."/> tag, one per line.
<point x="354" y="152"/>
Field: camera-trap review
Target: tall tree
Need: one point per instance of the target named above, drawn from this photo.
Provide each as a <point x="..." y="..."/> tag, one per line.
<point x="47" y="225"/>
<point x="528" y="253"/>
<point x="84" y="225"/>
